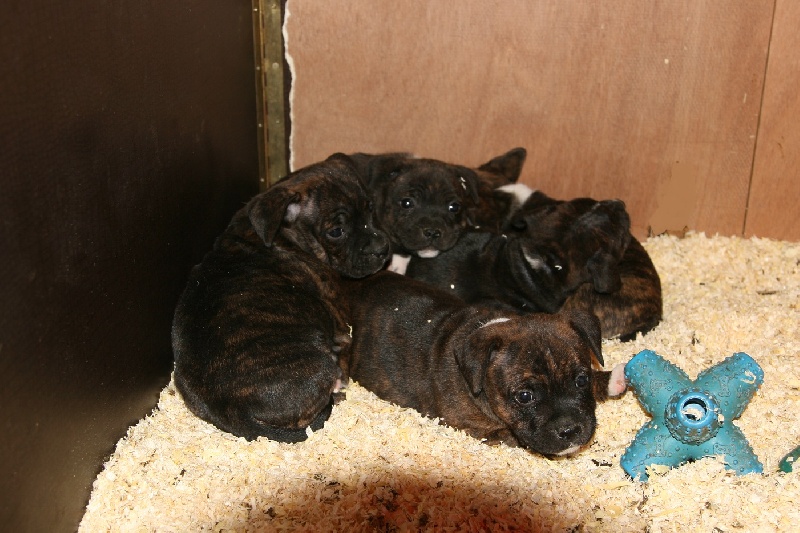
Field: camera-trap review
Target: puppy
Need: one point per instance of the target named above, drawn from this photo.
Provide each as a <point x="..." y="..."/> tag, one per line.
<point x="540" y="261"/>
<point x="258" y="333"/>
<point x="522" y="380"/>
<point x="424" y="205"/>
<point x="632" y="304"/>
<point x="421" y="204"/>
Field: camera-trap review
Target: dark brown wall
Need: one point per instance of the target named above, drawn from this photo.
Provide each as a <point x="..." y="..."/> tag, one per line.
<point x="127" y="139"/>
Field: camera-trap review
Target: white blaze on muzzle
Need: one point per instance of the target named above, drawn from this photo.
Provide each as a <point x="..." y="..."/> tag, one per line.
<point x="569" y="451"/>
<point x="428" y="253"/>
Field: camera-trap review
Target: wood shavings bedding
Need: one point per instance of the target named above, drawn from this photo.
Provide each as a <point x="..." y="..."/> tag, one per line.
<point x="375" y="466"/>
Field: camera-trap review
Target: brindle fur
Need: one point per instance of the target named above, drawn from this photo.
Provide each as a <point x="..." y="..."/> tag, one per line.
<point x="259" y="337"/>
<point x="634" y="303"/>
<point x="420" y="347"/>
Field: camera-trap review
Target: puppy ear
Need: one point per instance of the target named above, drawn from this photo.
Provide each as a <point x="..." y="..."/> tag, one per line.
<point x="356" y="164"/>
<point x="269" y="210"/>
<point x="587" y="326"/>
<point x="474" y="356"/>
<point x="376" y="169"/>
<point x="602" y="267"/>
<point x="469" y="181"/>
<point x="508" y="165"/>
<point x="344" y="158"/>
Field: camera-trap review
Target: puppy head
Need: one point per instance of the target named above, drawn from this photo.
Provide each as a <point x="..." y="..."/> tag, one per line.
<point x="420" y="203"/>
<point x="564" y="244"/>
<point x="324" y="210"/>
<point x="535" y="373"/>
<point x="544" y="274"/>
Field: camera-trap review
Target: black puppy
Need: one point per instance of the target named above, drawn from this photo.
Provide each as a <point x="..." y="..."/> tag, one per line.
<point x="524" y="380"/>
<point x="259" y="336"/>
<point x="424" y="205"/>
<point x="421" y="204"/>
<point x="546" y="256"/>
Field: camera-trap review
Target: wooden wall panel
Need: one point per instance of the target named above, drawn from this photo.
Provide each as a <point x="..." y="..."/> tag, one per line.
<point x="653" y="102"/>
<point x="775" y="192"/>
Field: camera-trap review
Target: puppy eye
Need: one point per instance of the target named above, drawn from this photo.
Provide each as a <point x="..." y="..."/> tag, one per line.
<point x="370" y="206"/>
<point x="582" y="381"/>
<point x="454" y="207"/>
<point x="407" y="203"/>
<point x="523" y="397"/>
<point x="335" y="233"/>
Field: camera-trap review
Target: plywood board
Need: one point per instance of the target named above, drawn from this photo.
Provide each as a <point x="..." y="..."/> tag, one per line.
<point x="775" y="193"/>
<point x="653" y="102"/>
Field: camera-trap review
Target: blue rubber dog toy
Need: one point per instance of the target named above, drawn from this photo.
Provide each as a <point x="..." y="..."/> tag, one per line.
<point x="691" y="419"/>
<point x="788" y="461"/>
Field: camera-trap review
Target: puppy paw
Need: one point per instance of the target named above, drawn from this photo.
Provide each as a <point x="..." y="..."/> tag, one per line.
<point x="616" y="383"/>
<point x="399" y="263"/>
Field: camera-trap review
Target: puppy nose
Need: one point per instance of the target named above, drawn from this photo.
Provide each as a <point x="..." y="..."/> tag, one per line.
<point x="569" y="432"/>
<point x="379" y="247"/>
<point x="382" y="252"/>
<point x="432" y="233"/>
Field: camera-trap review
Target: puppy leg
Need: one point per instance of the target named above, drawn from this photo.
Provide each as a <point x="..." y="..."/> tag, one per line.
<point x="609" y="384"/>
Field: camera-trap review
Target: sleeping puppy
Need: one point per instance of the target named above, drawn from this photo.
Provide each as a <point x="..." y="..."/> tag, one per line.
<point x="259" y="337"/>
<point x="634" y="303"/>
<point x="535" y="266"/>
<point x="522" y="380"/>
<point x="578" y="254"/>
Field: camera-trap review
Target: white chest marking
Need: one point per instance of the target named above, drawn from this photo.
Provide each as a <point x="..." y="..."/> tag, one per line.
<point x="495" y="321"/>
<point x="520" y="191"/>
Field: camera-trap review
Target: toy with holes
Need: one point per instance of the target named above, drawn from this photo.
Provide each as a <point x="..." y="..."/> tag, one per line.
<point x="691" y="419"/>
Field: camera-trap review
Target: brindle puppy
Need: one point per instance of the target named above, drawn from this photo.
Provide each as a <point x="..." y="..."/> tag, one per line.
<point x="634" y="307"/>
<point x="524" y="380"/>
<point x="633" y="304"/>
<point x="259" y="336"/>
